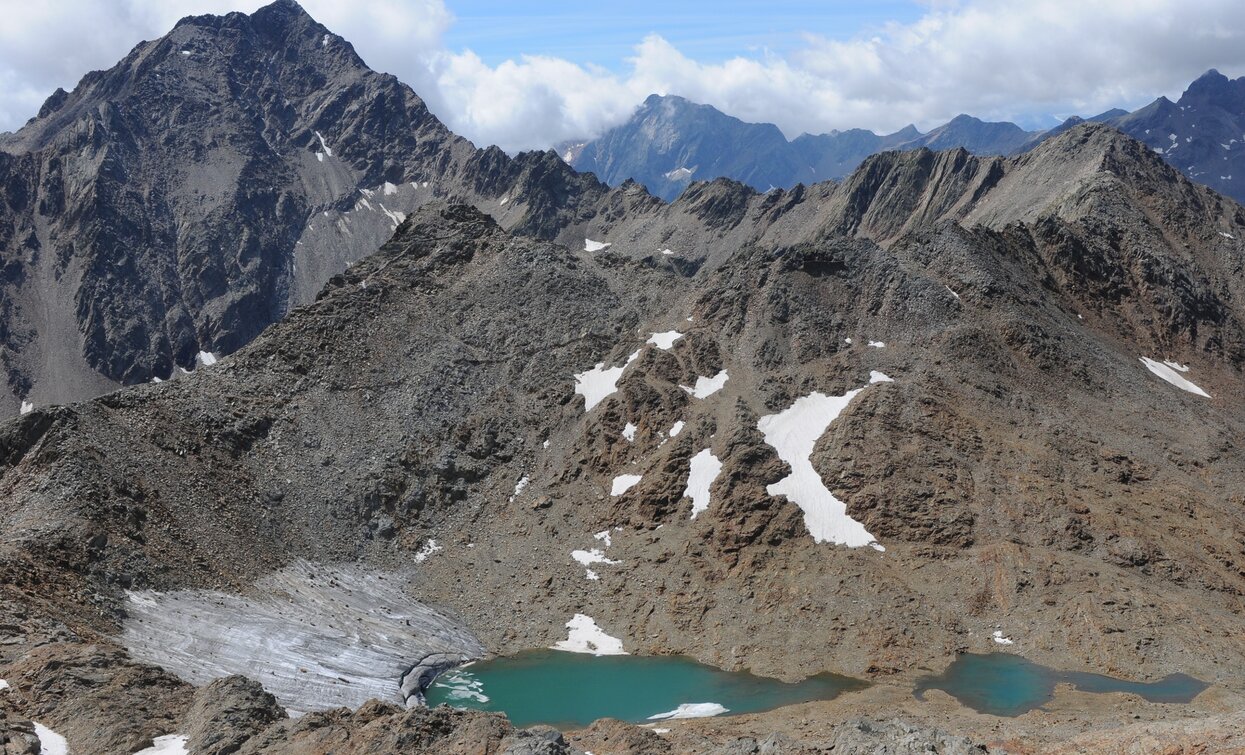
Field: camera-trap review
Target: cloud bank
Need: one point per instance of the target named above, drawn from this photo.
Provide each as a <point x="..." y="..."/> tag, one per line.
<point x="1024" y="60"/>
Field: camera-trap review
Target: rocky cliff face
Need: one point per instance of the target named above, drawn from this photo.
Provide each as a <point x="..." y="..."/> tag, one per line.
<point x="1202" y="134"/>
<point x="175" y="205"/>
<point x="462" y="399"/>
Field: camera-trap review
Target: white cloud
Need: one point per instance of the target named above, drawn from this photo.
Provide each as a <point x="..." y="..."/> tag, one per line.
<point x="997" y="59"/>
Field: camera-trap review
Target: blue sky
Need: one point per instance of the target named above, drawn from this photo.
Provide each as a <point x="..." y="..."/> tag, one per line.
<point x="708" y="31"/>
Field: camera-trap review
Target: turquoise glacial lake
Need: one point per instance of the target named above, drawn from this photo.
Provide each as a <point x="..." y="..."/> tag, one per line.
<point x="1002" y="684"/>
<point x="573" y="689"/>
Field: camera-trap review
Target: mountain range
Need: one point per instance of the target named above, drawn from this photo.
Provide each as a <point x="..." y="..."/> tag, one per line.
<point x="431" y="403"/>
<point x="670" y="142"/>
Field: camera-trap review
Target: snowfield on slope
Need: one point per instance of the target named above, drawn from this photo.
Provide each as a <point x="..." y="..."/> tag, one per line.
<point x="598" y="383"/>
<point x="793" y="433"/>
<point x="623" y="483"/>
<point x="50" y="743"/>
<point x="664" y="341"/>
<point x="704" y="470"/>
<point x="1171" y="372"/>
<point x="706" y="386"/>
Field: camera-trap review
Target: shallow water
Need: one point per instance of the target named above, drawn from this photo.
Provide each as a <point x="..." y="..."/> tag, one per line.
<point x="571" y="689"/>
<point x="1003" y="684"/>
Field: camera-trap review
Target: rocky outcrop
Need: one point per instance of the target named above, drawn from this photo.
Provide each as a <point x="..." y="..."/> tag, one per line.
<point x="226" y="713"/>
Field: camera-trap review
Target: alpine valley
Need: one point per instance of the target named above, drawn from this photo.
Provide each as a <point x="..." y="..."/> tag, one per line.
<point x="394" y="403"/>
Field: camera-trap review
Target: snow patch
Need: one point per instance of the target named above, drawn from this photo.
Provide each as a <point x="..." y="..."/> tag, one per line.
<point x="324" y="147"/>
<point x="50" y="743"/>
<point x="793" y="433"/>
<point x="628" y="432"/>
<point x="324" y="41"/>
<point x="389" y="189"/>
<point x="953" y="293"/>
<point x="206" y="358"/>
<point x="586" y="637"/>
<point x="1227" y="235"/>
<point x="676" y="428"/>
<point x="879" y="377"/>
<point x="623" y="483"/>
<point x="604" y="536"/>
<point x="169" y="744"/>
<point x="518" y="487"/>
<point x="393" y="215"/>
<point x="878" y="344"/>
<point x="667" y="252"/>
<point x="706" y="387"/>
<point x="599" y="382"/>
<point x="594" y="556"/>
<point x="427" y="550"/>
<point x="1000" y="639"/>
<point x="664" y="341"/>
<point x="186" y="53"/>
<point x="595" y="246"/>
<point x="704" y="470"/>
<point x="691" y="710"/>
<point x="1170" y="371"/>
<point x="27" y="407"/>
<point x="3" y="685"/>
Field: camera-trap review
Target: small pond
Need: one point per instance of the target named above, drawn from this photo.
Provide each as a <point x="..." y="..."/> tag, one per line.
<point x="572" y="689"/>
<point x="1003" y="684"/>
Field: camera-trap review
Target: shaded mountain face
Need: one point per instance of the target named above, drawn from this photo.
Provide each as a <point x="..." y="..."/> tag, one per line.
<point x="670" y="142"/>
<point x="1202" y="134"/>
<point x="170" y="208"/>
<point x="984" y="321"/>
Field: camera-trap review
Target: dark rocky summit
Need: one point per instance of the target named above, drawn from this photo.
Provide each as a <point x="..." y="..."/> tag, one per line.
<point x="424" y="419"/>
<point x="178" y="203"/>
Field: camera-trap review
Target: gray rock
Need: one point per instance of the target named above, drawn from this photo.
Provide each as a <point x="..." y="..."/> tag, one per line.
<point x="225" y="713"/>
<point x="538" y="740"/>
<point x="898" y="738"/>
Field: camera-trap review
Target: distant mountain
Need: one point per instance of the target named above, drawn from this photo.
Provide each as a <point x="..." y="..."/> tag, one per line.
<point x="1202" y="134"/>
<point x="670" y="142"/>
